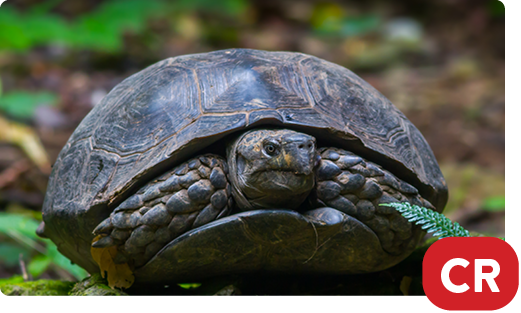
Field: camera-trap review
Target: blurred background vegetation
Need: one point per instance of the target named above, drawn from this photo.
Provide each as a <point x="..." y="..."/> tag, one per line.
<point x="439" y="61"/>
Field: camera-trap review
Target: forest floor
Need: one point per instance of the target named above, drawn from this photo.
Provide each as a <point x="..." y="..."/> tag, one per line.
<point x="441" y="63"/>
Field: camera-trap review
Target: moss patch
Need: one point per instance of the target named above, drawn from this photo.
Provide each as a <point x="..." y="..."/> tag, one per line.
<point x="37" y="288"/>
<point x="94" y="286"/>
<point x="90" y="286"/>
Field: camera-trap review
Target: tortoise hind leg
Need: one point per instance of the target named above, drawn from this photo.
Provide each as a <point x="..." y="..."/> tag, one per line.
<point x="350" y="184"/>
<point x="193" y="194"/>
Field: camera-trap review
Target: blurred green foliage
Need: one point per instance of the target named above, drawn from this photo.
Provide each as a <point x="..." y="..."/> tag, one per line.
<point x="20" y="241"/>
<point x="101" y="29"/>
<point x="22" y="104"/>
<point x="233" y="8"/>
<point x="189" y="286"/>
<point x="12" y="280"/>
<point x="331" y="19"/>
<point x="217" y="23"/>
<point x="494" y="204"/>
<point x="496" y="8"/>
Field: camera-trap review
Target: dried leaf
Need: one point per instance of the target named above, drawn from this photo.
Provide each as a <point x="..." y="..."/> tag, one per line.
<point x="118" y="275"/>
<point x="27" y="139"/>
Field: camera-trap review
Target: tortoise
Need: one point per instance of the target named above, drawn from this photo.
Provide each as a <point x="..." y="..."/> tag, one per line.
<point x="241" y="161"/>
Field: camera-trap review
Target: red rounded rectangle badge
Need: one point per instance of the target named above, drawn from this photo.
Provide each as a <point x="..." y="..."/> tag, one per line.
<point x="470" y="273"/>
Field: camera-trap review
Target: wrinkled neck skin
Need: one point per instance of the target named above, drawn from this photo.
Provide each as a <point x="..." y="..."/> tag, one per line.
<point x="272" y="169"/>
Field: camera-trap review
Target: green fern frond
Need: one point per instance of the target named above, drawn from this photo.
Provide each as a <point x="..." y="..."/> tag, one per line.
<point x="431" y="221"/>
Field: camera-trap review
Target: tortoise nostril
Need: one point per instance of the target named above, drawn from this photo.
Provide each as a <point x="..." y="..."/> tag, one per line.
<point x="305" y="146"/>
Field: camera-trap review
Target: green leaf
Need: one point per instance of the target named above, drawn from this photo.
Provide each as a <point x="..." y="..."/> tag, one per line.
<point x="189" y="286"/>
<point x="20" y="210"/>
<point x="45" y="29"/>
<point x="433" y="220"/>
<point x="358" y="26"/>
<point x="23" y="230"/>
<point x="494" y="204"/>
<point x="22" y="104"/>
<point x="23" y="225"/>
<point x="38" y="265"/>
<point x="12" y="35"/>
<point x="93" y="33"/>
<point x="10" y="253"/>
<point x="63" y="262"/>
<point x="428" y="225"/>
<point x="440" y="233"/>
<point x="327" y="18"/>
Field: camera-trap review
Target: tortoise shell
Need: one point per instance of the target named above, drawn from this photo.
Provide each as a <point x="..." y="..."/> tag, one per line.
<point x="173" y="109"/>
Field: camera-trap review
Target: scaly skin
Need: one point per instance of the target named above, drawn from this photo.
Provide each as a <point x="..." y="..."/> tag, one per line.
<point x="193" y="194"/>
<point x="269" y="169"/>
<point x="350" y="184"/>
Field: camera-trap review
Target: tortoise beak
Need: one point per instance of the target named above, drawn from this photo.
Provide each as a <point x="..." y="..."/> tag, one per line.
<point x="299" y="154"/>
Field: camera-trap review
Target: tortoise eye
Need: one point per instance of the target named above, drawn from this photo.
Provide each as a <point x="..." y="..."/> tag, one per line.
<point x="271" y="149"/>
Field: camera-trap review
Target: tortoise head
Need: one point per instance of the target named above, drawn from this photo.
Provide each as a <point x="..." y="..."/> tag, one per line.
<point x="272" y="168"/>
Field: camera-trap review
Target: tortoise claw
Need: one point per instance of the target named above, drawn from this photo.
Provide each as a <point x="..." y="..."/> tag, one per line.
<point x="104" y="242"/>
<point x="104" y="227"/>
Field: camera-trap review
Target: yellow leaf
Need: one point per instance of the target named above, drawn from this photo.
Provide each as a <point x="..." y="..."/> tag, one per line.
<point x="118" y="275"/>
<point x="405" y="284"/>
<point x="27" y="139"/>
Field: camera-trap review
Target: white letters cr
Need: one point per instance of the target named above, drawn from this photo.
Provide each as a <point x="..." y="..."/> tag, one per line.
<point x="479" y="276"/>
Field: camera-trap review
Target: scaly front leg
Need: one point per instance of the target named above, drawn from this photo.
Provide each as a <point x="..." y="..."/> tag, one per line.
<point x="193" y="194"/>
<point x="350" y="184"/>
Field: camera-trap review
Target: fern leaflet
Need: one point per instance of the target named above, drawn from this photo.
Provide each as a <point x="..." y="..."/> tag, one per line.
<point x="431" y="221"/>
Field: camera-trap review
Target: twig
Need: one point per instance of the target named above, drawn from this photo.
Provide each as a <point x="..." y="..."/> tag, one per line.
<point x="26" y="276"/>
<point x="26" y="240"/>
